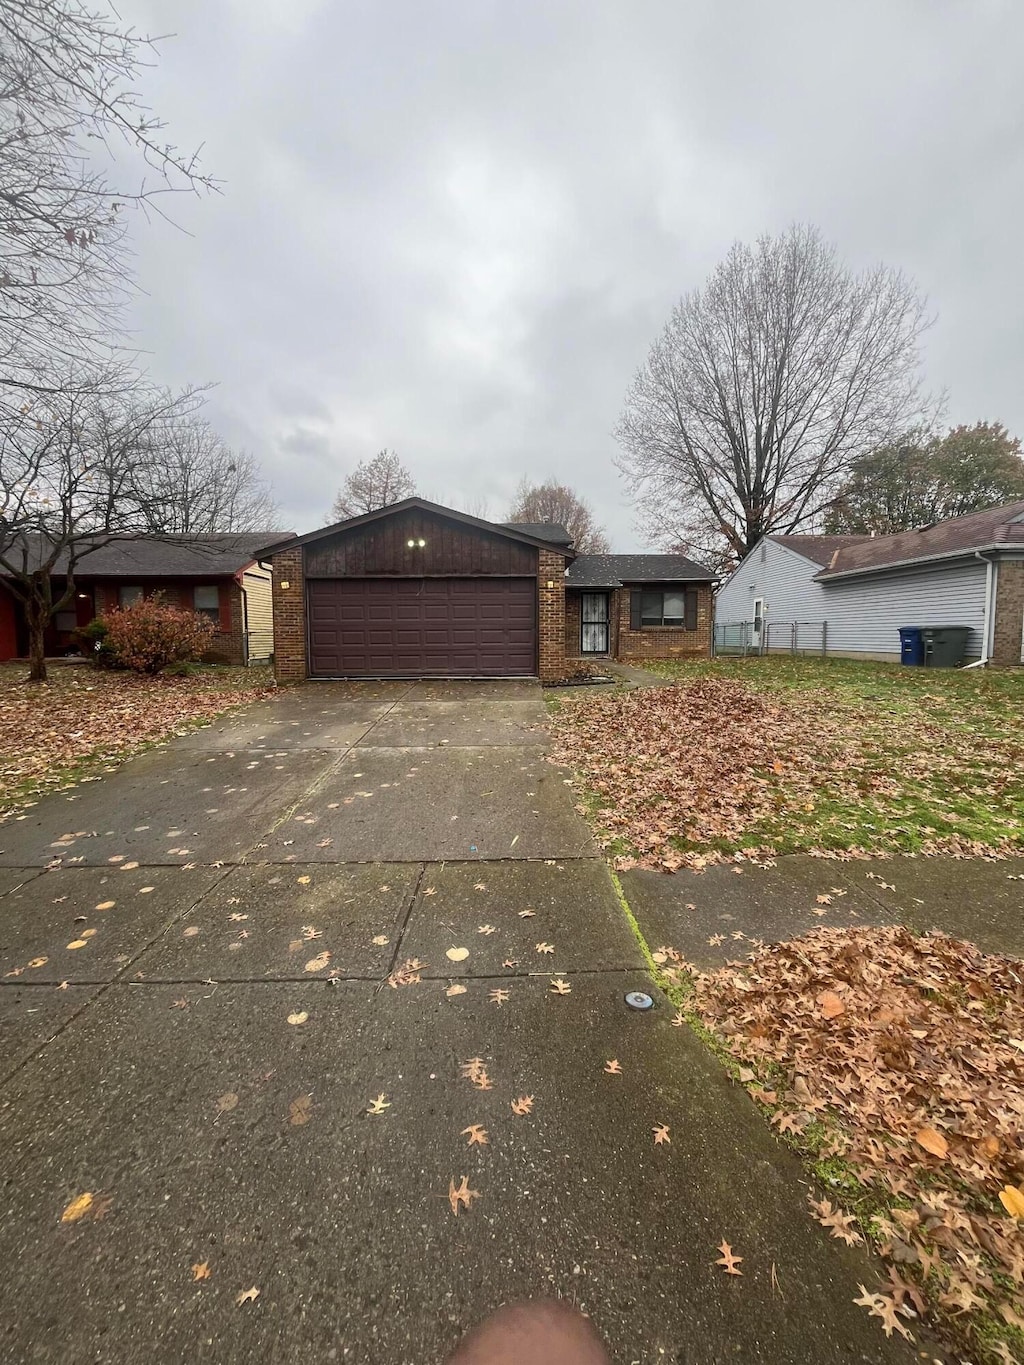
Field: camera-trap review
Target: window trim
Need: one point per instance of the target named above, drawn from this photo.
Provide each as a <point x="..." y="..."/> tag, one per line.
<point x="688" y="623"/>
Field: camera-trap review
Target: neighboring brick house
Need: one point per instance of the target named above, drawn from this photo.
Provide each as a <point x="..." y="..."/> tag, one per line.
<point x="420" y="590"/>
<point x="218" y="575"/>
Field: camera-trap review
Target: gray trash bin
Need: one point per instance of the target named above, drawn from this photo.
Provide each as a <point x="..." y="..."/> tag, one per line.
<point x="945" y="646"/>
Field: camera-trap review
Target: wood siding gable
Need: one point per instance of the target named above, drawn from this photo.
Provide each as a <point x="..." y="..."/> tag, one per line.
<point x="380" y="549"/>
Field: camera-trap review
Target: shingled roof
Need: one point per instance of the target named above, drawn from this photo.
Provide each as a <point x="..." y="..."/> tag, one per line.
<point x="818" y="549"/>
<point x="993" y="529"/>
<point x="542" y="530"/>
<point x="179" y="556"/>
<point x="611" y="571"/>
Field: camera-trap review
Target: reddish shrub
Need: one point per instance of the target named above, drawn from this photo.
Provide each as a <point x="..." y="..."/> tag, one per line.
<point x="149" y="635"/>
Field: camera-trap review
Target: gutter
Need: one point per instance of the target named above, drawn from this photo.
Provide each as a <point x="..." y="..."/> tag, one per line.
<point x="986" y="630"/>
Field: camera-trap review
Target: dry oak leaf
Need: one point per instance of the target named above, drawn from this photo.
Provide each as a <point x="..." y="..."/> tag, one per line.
<point x="201" y="1270"/>
<point x="303" y="881"/>
<point x="831" y="1006"/>
<point x="612" y="1067"/>
<point x="545" y="947"/>
<point x="661" y="1135"/>
<point x="318" y="963"/>
<point x="227" y="1102"/>
<point x="838" y="1223"/>
<point x="883" y="1306"/>
<point x="678" y="1019"/>
<point x="728" y="1260"/>
<point x="487" y="929"/>
<point x="932" y="1142"/>
<point x="247" y="1296"/>
<point x="300" y="1110"/>
<point x="1012" y="1199"/>
<point x="457" y="954"/>
<point x="824" y="899"/>
<point x="476" y="1134"/>
<point x="527" y="914"/>
<point x="461" y="1195"/>
<point x="78" y="1208"/>
<point x="523" y="1105"/>
<point x="378" y="1105"/>
<point x="381" y="941"/>
<point x="298" y="1017"/>
<point x="499" y="996"/>
<point x="560" y="987"/>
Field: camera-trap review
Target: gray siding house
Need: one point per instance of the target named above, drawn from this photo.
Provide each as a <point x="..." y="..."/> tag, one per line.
<point x="968" y="571"/>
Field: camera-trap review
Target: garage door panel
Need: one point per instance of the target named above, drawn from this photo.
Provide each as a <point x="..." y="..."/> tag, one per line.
<point x="469" y="627"/>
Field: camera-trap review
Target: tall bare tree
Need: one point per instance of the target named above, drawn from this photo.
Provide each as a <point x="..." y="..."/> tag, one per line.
<point x="73" y="478"/>
<point x="763" y="386"/>
<point x="373" y="484"/>
<point x="554" y="502"/>
<point x="67" y="95"/>
<point x="199" y="484"/>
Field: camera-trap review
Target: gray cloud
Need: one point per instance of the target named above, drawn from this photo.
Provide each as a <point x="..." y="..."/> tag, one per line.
<point x="454" y="229"/>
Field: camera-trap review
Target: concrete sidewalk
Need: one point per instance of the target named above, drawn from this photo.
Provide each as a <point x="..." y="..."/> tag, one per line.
<point x="195" y="957"/>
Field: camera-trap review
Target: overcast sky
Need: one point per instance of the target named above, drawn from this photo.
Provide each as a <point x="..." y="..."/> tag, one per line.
<point x="455" y="229"/>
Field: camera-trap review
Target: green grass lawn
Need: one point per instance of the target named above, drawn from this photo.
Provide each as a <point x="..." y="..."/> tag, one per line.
<point x="794" y="754"/>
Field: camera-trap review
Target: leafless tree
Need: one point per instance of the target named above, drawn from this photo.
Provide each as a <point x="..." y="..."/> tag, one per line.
<point x="373" y="484"/>
<point x="198" y="484"/>
<point x="68" y="107"/>
<point x="554" y="502"/>
<point x="762" y="388"/>
<point x="73" y="477"/>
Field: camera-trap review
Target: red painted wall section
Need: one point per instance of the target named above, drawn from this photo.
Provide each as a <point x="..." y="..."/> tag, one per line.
<point x="8" y="635"/>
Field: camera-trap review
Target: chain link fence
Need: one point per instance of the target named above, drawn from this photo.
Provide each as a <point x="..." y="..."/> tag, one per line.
<point x="773" y="637"/>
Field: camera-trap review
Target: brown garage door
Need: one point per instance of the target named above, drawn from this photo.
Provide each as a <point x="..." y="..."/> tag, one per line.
<point x="422" y="627"/>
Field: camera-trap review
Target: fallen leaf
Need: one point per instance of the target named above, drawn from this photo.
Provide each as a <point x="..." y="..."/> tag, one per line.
<point x="661" y="1135"/>
<point x="477" y="1135"/>
<point x="523" y="1105"/>
<point x="181" y="1004"/>
<point x="318" y="963"/>
<point x="456" y="989"/>
<point x="378" y="1105"/>
<point x="298" y="1017"/>
<point x="88" y="933"/>
<point x="613" y="1068"/>
<point x="39" y="962"/>
<point x="77" y="1209"/>
<point x="190" y="932"/>
<point x="78" y="943"/>
<point x="545" y="947"/>
<point x="304" y="881"/>
<point x="247" y="1296"/>
<point x="560" y="987"/>
<point x="932" y="1142"/>
<point x="300" y="1110"/>
<point x="109" y="905"/>
<point x="143" y="891"/>
<point x="227" y="1102"/>
<point x="1012" y="1199"/>
<point x="728" y="1260"/>
<point x="201" y="1270"/>
<point x="381" y="941"/>
<point x="461" y="1196"/>
<point x="457" y="954"/>
<point x="831" y="1005"/>
<point x="678" y="1019"/>
<point x="487" y="929"/>
<point x="527" y="914"/>
<point x="128" y="867"/>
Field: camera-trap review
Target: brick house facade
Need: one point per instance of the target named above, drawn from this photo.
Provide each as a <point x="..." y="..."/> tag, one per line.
<point x="1008" y="625"/>
<point x="419" y="590"/>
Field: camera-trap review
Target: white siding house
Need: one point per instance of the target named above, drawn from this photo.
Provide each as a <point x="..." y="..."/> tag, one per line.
<point x="862" y="615"/>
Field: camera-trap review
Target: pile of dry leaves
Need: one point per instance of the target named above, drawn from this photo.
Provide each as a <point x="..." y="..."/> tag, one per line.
<point x="908" y="1053"/>
<point x="682" y="762"/>
<point x="47" y="730"/>
<point x="685" y="774"/>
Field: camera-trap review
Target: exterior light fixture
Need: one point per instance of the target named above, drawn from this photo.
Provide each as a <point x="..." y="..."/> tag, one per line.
<point x="421" y="543"/>
<point x="411" y="544"/>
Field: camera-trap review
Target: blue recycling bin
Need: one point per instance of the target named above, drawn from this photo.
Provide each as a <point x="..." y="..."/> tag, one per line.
<point x="912" y="646"/>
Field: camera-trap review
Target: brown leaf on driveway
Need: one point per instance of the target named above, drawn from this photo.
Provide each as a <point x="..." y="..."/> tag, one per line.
<point x="461" y="1196"/>
<point x="523" y="1105"/>
<point x="729" y="1262"/>
<point x="300" y="1110"/>
<point x="661" y="1135"/>
<point x="201" y="1270"/>
<point x="477" y="1135"/>
<point x="318" y="963"/>
<point x="560" y="987"/>
<point x="247" y="1296"/>
<point x="227" y="1102"/>
<point x="78" y="1208"/>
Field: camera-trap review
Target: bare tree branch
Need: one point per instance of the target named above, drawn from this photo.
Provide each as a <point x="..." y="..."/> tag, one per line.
<point x="373" y="484"/>
<point x="763" y="386"/>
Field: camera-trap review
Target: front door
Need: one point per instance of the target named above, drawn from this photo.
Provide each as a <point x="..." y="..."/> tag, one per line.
<point x="594" y="617"/>
<point x="757" y="625"/>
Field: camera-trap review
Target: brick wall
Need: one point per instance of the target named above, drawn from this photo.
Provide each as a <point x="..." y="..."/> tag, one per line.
<point x="551" y="615"/>
<point x="663" y="642"/>
<point x="573" y="613"/>
<point x="227" y="646"/>
<point x="289" y="616"/>
<point x="1006" y="634"/>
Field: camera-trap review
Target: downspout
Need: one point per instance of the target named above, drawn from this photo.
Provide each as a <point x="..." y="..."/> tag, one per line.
<point x="240" y="580"/>
<point x="986" y="632"/>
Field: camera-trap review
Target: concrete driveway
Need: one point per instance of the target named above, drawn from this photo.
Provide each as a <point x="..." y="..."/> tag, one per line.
<point x="208" y="967"/>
